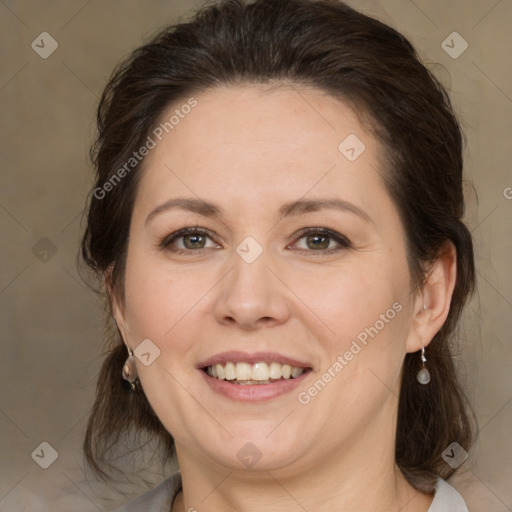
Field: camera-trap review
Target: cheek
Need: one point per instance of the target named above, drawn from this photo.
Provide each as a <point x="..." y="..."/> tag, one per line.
<point x="352" y="297"/>
<point x="155" y="300"/>
<point x="366" y="308"/>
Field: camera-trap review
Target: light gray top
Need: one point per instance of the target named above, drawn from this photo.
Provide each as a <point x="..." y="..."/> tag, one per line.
<point x="159" y="499"/>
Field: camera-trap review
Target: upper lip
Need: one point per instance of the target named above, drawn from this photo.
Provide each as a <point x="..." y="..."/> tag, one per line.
<point x="256" y="357"/>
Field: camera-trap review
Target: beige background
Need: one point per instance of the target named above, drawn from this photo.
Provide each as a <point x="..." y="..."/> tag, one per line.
<point x="51" y="332"/>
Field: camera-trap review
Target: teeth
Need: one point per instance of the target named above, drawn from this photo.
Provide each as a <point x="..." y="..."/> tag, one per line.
<point x="296" y="372"/>
<point x="230" y="371"/>
<point x="260" y="371"/>
<point x="253" y="374"/>
<point x="220" y="371"/>
<point x="275" y="371"/>
<point x="243" y="371"/>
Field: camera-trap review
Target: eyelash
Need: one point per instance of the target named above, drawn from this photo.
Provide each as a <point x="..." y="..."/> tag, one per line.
<point x="344" y="243"/>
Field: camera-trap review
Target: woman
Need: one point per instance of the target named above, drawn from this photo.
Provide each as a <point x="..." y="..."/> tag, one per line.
<point x="277" y="221"/>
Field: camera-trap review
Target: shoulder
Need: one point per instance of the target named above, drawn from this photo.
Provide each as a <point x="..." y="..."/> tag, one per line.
<point x="158" y="499"/>
<point x="447" y="499"/>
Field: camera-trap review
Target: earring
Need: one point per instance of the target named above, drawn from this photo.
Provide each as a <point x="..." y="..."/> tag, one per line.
<point x="423" y="375"/>
<point x="129" y="372"/>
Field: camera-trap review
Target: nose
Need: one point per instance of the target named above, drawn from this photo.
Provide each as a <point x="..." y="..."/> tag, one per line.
<point x="251" y="296"/>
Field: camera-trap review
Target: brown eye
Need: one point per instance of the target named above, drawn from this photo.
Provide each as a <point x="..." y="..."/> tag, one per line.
<point x="188" y="240"/>
<point x="317" y="241"/>
<point x="321" y="240"/>
<point x="194" y="241"/>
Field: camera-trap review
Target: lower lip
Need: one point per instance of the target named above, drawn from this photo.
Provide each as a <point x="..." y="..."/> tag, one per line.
<point x="253" y="392"/>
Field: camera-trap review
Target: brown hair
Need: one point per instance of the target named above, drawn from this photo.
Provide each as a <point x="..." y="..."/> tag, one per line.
<point x="330" y="46"/>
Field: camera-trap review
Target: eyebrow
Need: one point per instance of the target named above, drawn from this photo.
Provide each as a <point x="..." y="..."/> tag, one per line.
<point x="299" y="207"/>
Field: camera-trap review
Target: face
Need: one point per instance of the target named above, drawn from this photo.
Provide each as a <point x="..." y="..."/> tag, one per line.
<point x="261" y="234"/>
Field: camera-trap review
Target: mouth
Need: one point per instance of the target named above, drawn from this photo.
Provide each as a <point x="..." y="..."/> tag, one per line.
<point x="260" y="373"/>
<point x="253" y="377"/>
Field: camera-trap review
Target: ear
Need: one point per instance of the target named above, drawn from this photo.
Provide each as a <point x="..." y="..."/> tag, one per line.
<point x="432" y="303"/>
<point x="116" y="305"/>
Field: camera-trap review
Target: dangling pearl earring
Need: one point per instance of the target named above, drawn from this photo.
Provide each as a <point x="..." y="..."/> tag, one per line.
<point x="423" y="375"/>
<point x="129" y="372"/>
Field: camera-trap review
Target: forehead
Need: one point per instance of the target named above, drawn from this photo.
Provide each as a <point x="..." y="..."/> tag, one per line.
<point x="253" y="142"/>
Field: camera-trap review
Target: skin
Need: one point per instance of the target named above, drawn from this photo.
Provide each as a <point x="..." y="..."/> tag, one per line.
<point x="249" y="150"/>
